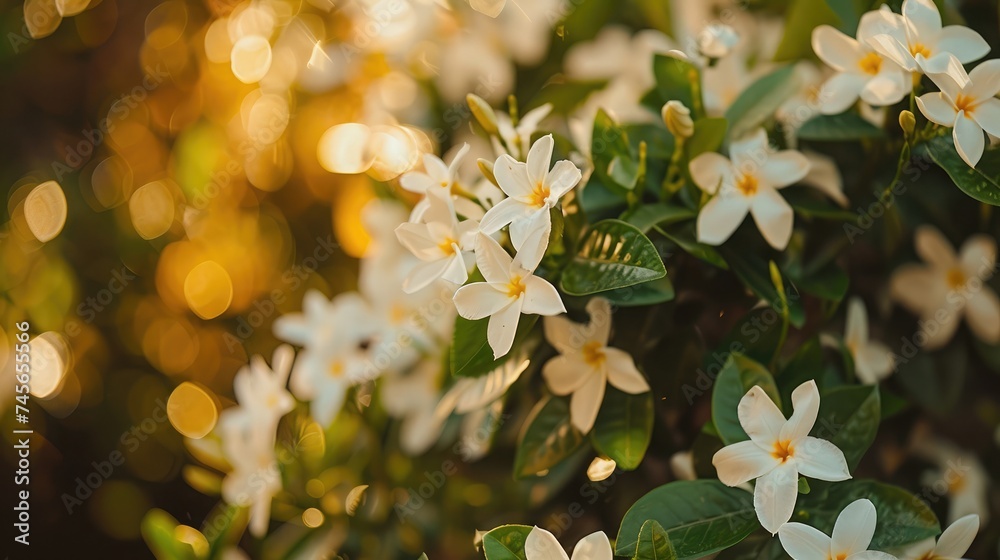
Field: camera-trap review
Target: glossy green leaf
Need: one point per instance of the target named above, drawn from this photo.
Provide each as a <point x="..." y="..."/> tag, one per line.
<point x="700" y="517"/>
<point x="838" y="128"/>
<point x="802" y="17"/>
<point x="614" y="161"/>
<point x="547" y="438"/>
<point x="755" y="274"/>
<point x="981" y="182"/>
<point x="471" y="355"/>
<point x="685" y="238"/>
<point x="624" y="427"/>
<point x="738" y="375"/>
<point x="612" y="254"/>
<point x="674" y="78"/>
<point x="760" y="100"/>
<point x="709" y="134"/>
<point x="647" y="293"/>
<point x="654" y="543"/>
<point x="658" y="214"/>
<point x="506" y="542"/>
<point x="903" y="518"/>
<point x="849" y="417"/>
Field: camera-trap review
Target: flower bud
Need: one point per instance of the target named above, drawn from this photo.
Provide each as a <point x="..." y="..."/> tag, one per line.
<point x="483" y="113"/>
<point x="907" y="122"/>
<point x="677" y="117"/>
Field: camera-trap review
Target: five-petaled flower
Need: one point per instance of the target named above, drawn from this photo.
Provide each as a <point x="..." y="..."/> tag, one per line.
<point x="953" y="543"/>
<point x="442" y="242"/>
<point x="852" y="535"/>
<point x="542" y="545"/>
<point x="872" y="360"/>
<point x="970" y="109"/>
<point x="777" y="452"/>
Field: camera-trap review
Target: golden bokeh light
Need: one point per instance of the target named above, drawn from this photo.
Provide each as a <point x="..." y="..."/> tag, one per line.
<point x="344" y="149"/>
<point x="41" y="17"/>
<point x="194" y="538"/>
<point x="250" y="59"/>
<point x="49" y="362"/>
<point x="392" y="150"/>
<point x="192" y="410"/>
<point x="312" y="518"/>
<point x="600" y="469"/>
<point x="69" y="8"/>
<point x="208" y="290"/>
<point x="45" y="210"/>
<point x="151" y="209"/>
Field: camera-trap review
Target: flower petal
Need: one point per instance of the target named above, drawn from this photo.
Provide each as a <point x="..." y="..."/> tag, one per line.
<point x="979" y="256"/>
<point x="964" y="43"/>
<point x="760" y="417"/>
<point x="854" y="529"/>
<point x="784" y="168"/>
<point x="940" y="332"/>
<point x="512" y="176"/>
<point x="957" y="538"/>
<point x="805" y="406"/>
<point x="825" y="177"/>
<point x="837" y="94"/>
<point x="983" y="315"/>
<point x="873" y="362"/>
<point x="478" y="300"/>
<point x="599" y="327"/>
<point x="774" y="496"/>
<point x="987" y="116"/>
<point x="821" y="459"/>
<point x="985" y="80"/>
<point x="774" y="217"/>
<point x="622" y="372"/>
<point x="937" y="108"/>
<point x="503" y="213"/>
<point x="968" y="139"/>
<point x="539" y="158"/>
<point x="530" y="237"/>
<point x="856" y="328"/>
<point x="542" y="545"/>
<point x="586" y="403"/>
<point x="594" y="546"/>
<point x="566" y="336"/>
<point x="416" y="182"/>
<point x="502" y="326"/>
<point x="566" y="373"/>
<point x="742" y="462"/>
<point x="836" y="49"/>
<point x="423" y="274"/>
<point x="803" y="542"/>
<point x="933" y="248"/>
<point x="720" y="217"/>
<point x="750" y="152"/>
<point x="871" y="555"/>
<point x="494" y="263"/>
<point x="923" y="15"/>
<point x="541" y="297"/>
<point x="917" y="287"/>
<point x="709" y="170"/>
<point x="890" y="47"/>
<point x="564" y="176"/>
<point x="944" y="66"/>
<point x="888" y="87"/>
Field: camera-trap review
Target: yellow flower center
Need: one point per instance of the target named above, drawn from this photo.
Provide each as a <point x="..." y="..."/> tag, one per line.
<point x="747" y="184"/>
<point x="841" y="556"/>
<point x="593" y="353"/>
<point x="955" y="278"/>
<point x="539" y="195"/>
<point x="871" y="63"/>
<point x="515" y="287"/>
<point x="920" y="48"/>
<point x="272" y="401"/>
<point x="445" y="184"/>
<point x="783" y="450"/>
<point x="447" y="245"/>
<point x="336" y="369"/>
<point x="957" y="485"/>
<point x="398" y="314"/>
<point x="965" y="103"/>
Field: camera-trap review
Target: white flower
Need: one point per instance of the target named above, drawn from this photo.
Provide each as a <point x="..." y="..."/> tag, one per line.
<point x="339" y="337"/>
<point x="510" y="289"/>
<point x="532" y="190"/>
<point x="254" y="480"/>
<point x="518" y="138"/>
<point x="747" y="182"/>
<point x="872" y="360"/>
<point x="952" y="545"/>
<point x="437" y="177"/>
<point x="542" y="545"/>
<point x="441" y="242"/>
<point x="960" y="476"/>
<point x="861" y="70"/>
<point x="717" y="40"/>
<point x="852" y="534"/>
<point x="491" y="8"/>
<point x="677" y="117"/>
<point x="949" y="287"/>
<point x="413" y="398"/>
<point x="777" y="452"/>
<point x="917" y="42"/>
<point x="682" y="465"/>
<point x="970" y="109"/>
<point x="825" y="177"/>
<point x="585" y="364"/>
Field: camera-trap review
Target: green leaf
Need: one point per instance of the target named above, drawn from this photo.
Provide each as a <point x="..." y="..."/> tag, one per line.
<point x="849" y="13"/>
<point x="903" y="518"/>
<point x="654" y="543"/>
<point x="658" y="214"/>
<point x="674" y="78"/>
<point x="566" y="96"/>
<point x="700" y="517"/>
<point x="223" y="527"/>
<point x="614" y="161"/>
<point x="756" y="275"/>
<point x="547" y="439"/>
<point x="830" y="282"/>
<point x="647" y="293"/>
<point x="624" y="427"/>
<point x="471" y="355"/>
<point x="506" y="542"/>
<point x="760" y="100"/>
<point x="738" y="375"/>
<point x="684" y="237"/>
<point x="981" y="182"/>
<point x="159" y="530"/>
<point x="803" y="16"/>
<point x="810" y="203"/>
<point x="849" y="417"/>
<point x="612" y="254"/>
<point x="709" y="134"/>
<point x="838" y="128"/>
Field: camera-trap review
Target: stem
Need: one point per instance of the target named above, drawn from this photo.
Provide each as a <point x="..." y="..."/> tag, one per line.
<point x="672" y="180"/>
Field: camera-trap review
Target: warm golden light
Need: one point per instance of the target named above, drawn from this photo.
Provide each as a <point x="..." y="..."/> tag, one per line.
<point x="192" y="410"/>
<point x="45" y="211"/>
<point x="343" y="149"/>
<point x="49" y="357"/>
<point x="208" y="290"/>
<point x="151" y="209"/>
<point x="251" y="59"/>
